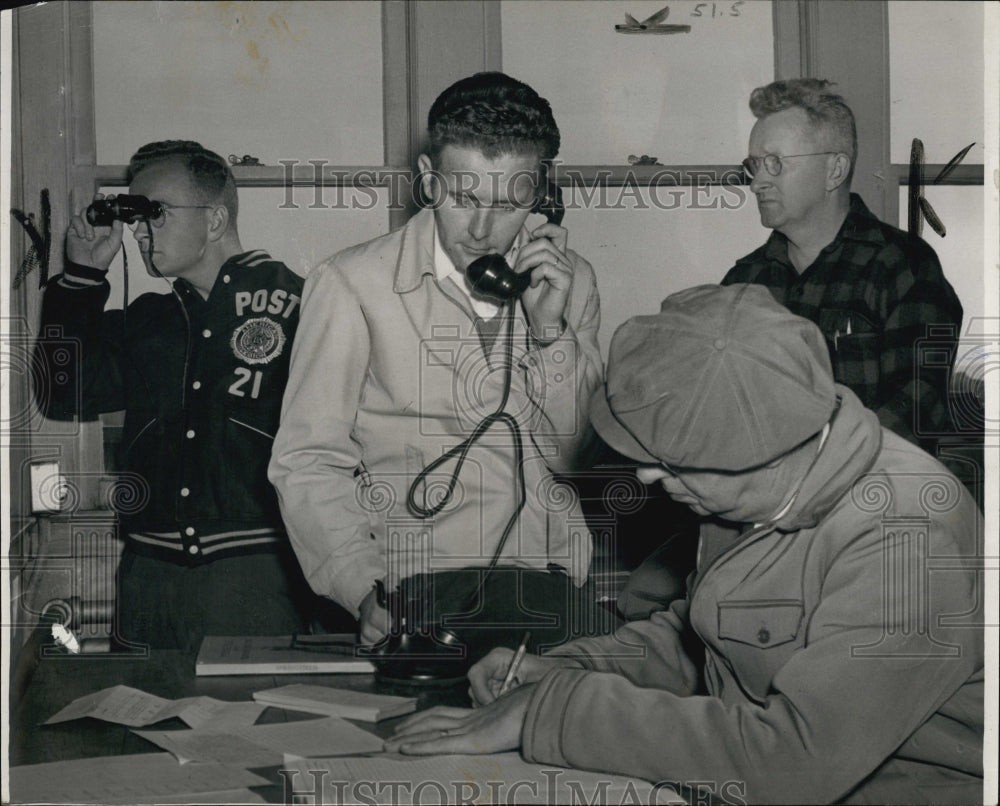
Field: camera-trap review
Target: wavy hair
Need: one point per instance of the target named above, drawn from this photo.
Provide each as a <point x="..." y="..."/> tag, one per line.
<point x="830" y="116"/>
<point x="496" y="115"/>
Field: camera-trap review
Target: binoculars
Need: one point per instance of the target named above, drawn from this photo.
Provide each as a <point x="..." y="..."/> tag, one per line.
<point x="124" y="207"/>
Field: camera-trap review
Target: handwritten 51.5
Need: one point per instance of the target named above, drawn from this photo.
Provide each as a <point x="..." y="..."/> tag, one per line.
<point x="716" y="10"/>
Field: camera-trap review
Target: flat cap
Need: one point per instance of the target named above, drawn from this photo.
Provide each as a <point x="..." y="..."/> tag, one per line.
<point x="722" y="378"/>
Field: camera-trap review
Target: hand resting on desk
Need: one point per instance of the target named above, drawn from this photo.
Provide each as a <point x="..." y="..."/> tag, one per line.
<point x="494" y="728"/>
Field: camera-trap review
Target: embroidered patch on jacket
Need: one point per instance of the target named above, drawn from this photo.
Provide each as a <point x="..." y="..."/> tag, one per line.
<point x="258" y="341"/>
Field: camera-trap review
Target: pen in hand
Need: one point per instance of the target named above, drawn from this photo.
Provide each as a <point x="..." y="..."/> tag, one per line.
<point x="515" y="664"/>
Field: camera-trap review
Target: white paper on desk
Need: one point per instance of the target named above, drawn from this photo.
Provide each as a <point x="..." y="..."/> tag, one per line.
<point x="199" y="712"/>
<point x="498" y="778"/>
<point x="129" y="706"/>
<point x="146" y="778"/>
<point x="206" y="746"/>
<point x="264" y="745"/>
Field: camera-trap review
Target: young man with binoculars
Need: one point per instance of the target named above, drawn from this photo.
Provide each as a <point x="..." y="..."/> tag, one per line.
<point x="199" y="372"/>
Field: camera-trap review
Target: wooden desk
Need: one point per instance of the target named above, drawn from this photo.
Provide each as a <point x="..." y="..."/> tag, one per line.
<point x="60" y="679"/>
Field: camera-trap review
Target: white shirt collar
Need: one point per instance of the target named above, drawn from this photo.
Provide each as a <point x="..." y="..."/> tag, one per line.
<point x="444" y="269"/>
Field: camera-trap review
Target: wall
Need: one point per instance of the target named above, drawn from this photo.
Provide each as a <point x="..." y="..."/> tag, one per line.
<point x="680" y="98"/>
<point x="256" y="78"/>
<point x="941" y="101"/>
<point x="278" y="80"/>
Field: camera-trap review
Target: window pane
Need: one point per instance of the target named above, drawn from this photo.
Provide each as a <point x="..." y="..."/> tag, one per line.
<point x="681" y="97"/>
<point x="276" y="80"/>
<point x="936" y="79"/>
<point x="648" y="243"/>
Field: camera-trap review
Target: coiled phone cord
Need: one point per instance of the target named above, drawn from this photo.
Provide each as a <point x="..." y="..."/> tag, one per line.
<point x="462" y="450"/>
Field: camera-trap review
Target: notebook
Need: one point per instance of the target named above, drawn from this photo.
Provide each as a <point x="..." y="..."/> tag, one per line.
<point x="277" y="654"/>
<point x="331" y="701"/>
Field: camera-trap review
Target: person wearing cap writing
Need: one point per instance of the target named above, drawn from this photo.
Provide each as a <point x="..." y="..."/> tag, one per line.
<point x="837" y="667"/>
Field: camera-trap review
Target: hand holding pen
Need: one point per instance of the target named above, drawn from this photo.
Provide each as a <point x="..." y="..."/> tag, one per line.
<point x="501" y="690"/>
<point x="491" y="729"/>
<point x="488" y="678"/>
<point x="515" y="665"/>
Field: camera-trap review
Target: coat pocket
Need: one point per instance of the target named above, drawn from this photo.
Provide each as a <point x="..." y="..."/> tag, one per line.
<point x="758" y="637"/>
<point x="249" y="496"/>
<point x="855" y="345"/>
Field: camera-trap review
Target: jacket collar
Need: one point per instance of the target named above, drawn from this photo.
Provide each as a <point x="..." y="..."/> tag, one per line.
<point x="854" y="442"/>
<point x="859" y="225"/>
<point x="240" y="261"/>
<point x="416" y="252"/>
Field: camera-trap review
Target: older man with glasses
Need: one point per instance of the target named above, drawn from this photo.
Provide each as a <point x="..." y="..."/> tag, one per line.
<point x="872" y="289"/>
<point x="200" y="372"/>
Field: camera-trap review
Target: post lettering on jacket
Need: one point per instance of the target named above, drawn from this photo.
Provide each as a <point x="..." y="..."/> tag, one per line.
<point x="262" y="300"/>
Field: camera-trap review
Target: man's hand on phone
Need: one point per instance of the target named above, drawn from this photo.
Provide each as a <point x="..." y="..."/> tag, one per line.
<point x="92" y="246"/>
<point x="551" y="279"/>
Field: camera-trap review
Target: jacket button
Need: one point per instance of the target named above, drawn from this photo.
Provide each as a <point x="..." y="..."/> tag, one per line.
<point x="206" y="333"/>
<point x="763" y="635"/>
<point x="193" y="549"/>
<point x="185" y="492"/>
<point x="190" y="434"/>
<point x="196" y="385"/>
<point x="225" y="278"/>
<point x="189" y="531"/>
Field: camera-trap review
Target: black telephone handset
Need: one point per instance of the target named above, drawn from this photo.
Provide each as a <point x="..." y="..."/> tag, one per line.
<point x="492" y="277"/>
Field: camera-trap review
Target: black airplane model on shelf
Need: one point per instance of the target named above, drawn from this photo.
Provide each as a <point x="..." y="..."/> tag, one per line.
<point x="651" y="25"/>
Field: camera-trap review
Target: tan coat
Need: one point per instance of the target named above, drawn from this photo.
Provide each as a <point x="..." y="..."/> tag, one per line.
<point x="843" y="644"/>
<point x="387" y="374"/>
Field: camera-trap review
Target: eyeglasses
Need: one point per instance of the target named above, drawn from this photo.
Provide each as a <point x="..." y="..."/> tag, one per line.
<point x="160" y="218"/>
<point x="772" y="162"/>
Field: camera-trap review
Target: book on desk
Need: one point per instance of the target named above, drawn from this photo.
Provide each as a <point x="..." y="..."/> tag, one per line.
<point x="280" y="654"/>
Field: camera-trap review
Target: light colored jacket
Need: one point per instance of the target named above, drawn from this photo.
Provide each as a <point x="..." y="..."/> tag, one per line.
<point x="387" y="374"/>
<point x="843" y="643"/>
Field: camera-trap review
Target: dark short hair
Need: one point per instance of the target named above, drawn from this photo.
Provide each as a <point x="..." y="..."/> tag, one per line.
<point x="827" y="111"/>
<point x="210" y="174"/>
<point x="496" y="115"/>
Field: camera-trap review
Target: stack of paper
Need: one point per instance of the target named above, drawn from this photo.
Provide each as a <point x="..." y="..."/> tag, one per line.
<point x="337" y="702"/>
<point x="265" y="745"/>
<point x="333" y="654"/>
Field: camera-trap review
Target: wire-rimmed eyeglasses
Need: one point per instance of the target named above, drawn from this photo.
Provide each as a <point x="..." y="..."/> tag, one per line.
<point x="772" y="162"/>
<point x="165" y="207"/>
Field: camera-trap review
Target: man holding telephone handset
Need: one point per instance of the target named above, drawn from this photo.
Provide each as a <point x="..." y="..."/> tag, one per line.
<point x="401" y="357"/>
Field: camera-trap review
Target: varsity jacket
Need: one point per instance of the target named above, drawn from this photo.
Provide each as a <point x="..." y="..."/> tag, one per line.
<point x="200" y="382"/>
<point x="388" y="373"/>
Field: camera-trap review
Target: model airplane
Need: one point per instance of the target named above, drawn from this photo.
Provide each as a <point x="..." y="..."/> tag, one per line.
<point x="651" y="25"/>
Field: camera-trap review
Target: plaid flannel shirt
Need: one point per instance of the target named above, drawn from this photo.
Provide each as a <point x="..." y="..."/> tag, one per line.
<point x="890" y="318"/>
